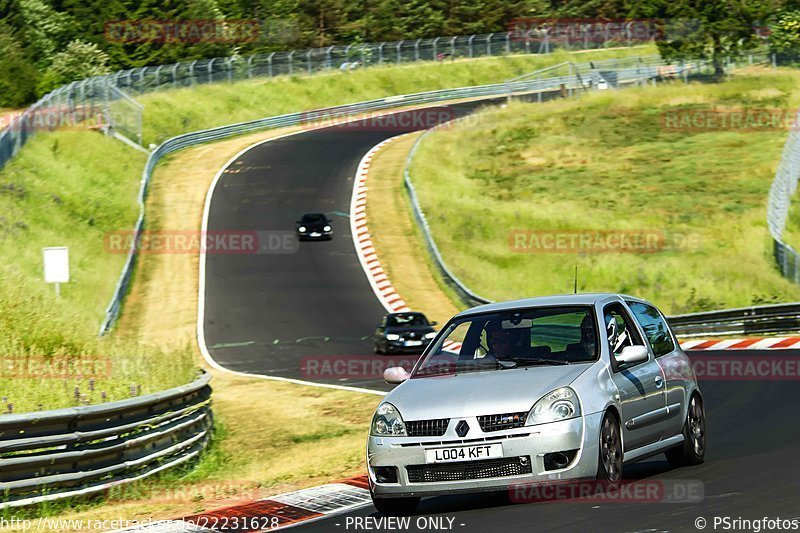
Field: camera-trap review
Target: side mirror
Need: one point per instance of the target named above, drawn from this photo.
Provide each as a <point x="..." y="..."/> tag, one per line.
<point x="632" y="354"/>
<point x="433" y="323"/>
<point x="395" y="374"/>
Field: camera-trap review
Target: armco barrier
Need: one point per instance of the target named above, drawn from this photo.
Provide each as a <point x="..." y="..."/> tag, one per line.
<point x="628" y="70"/>
<point x="77" y="451"/>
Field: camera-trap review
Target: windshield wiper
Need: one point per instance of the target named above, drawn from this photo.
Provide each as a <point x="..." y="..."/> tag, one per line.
<point x="523" y="361"/>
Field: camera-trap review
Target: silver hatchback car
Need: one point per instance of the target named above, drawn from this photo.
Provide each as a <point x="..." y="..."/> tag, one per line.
<point x="538" y="390"/>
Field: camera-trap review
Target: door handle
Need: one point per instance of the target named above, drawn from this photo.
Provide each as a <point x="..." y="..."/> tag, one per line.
<point x="659" y="382"/>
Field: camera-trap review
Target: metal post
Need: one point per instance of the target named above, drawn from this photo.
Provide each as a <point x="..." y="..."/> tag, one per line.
<point x="191" y="72"/>
<point x="453" y="47"/>
<point x="508" y="42"/>
<point x="471" y="38"/>
<point x="158" y="76"/>
<point x="399" y="45"/>
<point x="250" y="67"/>
<point x="229" y="64"/>
<point x="211" y="70"/>
<point x="269" y="63"/>
<point x="329" y="57"/>
<point x="308" y="61"/>
<point x="435" y="50"/>
<point x="175" y="74"/>
<point x="380" y="53"/>
<point x="416" y="49"/>
<point x="291" y="66"/>
<point x="489" y="44"/>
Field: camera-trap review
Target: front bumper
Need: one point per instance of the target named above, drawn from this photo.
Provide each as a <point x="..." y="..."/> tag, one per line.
<point x="531" y="442"/>
<point x="400" y="347"/>
<point x="315" y="235"/>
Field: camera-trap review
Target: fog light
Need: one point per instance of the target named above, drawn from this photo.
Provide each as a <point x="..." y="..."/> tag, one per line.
<point x="559" y="460"/>
<point x="385" y="474"/>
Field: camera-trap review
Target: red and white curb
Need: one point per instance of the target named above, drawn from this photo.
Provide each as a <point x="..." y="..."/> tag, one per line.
<point x="277" y="512"/>
<point x="771" y="343"/>
<point x="362" y="240"/>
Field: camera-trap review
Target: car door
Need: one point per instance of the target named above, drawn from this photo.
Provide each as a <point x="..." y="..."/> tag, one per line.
<point x="673" y="362"/>
<point x="640" y="385"/>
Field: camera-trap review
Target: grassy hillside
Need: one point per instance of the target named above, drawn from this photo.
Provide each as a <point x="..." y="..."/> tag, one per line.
<point x="178" y="111"/>
<point x="606" y="162"/>
<point x="59" y="193"/>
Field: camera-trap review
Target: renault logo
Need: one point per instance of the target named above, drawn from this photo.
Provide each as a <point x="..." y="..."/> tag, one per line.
<point x="462" y="428"/>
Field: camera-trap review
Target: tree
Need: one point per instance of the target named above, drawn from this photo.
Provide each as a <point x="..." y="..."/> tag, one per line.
<point x="17" y="74"/>
<point x="785" y="36"/>
<point x="79" y="61"/>
<point x="712" y="29"/>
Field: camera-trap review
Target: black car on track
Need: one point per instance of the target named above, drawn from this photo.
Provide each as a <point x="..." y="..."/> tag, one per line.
<point x="314" y="226"/>
<point x="408" y="332"/>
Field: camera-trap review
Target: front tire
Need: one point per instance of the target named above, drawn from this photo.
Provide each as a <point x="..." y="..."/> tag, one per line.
<point x="693" y="450"/>
<point x="609" y="464"/>
<point x="395" y="506"/>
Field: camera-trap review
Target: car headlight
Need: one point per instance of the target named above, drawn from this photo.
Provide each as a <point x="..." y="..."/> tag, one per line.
<point x="430" y="335"/>
<point x="301" y="229"/>
<point x="556" y="405"/>
<point x="326" y="228"/>
<point x="387" y="421"/>
<point x="392" y="337"/>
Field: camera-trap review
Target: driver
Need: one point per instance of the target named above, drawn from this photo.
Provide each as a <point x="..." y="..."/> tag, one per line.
<point x="500" y="341"/>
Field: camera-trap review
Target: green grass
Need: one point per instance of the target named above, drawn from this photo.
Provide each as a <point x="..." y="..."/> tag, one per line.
<point x="604" y="162"/>
<point x="57" y="192"/>
<point x="173" y="112"/>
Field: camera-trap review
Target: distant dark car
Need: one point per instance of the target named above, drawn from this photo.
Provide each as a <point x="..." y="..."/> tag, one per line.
<point x="314" y="226"/>
<point x="404" y="333"/>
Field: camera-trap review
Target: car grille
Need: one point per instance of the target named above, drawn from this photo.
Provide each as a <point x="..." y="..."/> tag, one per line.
<point x="489" y="468"/>
<point x="427" y="428"/>
<point x="500" y="422"/>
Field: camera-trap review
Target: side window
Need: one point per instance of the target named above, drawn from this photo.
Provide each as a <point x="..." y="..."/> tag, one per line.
<point x="654" y="326"/>
<point x="620" y="332"/>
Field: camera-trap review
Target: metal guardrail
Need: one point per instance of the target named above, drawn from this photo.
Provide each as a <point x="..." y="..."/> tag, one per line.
<point x="77" y="451"/>
<point x="628" y="69"/>
<point x="759" y="320"/>
<point x="780" y="194"/>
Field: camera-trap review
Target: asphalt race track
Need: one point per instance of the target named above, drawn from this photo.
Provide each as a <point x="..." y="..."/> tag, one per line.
<point x="268" y="313"/>
<point x="752" y="470"/>
<point x="265" y="313"/>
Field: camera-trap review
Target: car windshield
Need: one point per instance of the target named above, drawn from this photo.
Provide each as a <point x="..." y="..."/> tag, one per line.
<point x="313" y="218"/>
<point x="407" y="320"/>
<point x="513" y="339"/>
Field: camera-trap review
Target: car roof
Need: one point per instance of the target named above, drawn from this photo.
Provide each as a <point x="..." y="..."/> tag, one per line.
<point x="315" y="215"/>
<point x="548" y="301"/>
<point x="406" y="313"/>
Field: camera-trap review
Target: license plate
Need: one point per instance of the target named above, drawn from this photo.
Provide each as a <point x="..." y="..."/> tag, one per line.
<point x="315" y="234"/>
<point x="464" y="453"/>
<point x="413" y="343"/>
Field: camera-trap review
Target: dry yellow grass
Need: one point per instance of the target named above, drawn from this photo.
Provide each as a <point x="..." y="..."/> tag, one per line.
<point x="397" y="239"/>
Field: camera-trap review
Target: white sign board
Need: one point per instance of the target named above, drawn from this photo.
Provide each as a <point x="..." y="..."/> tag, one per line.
<point x="56" y="264"/>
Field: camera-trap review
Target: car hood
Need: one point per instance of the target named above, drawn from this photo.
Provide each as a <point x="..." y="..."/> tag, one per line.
<point x="480" y="393"/>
